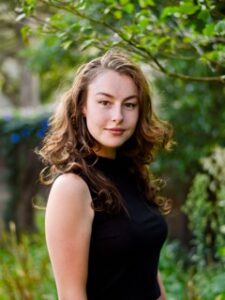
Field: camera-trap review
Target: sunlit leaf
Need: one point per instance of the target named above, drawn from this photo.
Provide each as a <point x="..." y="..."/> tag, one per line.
<point x="209" y="29"/>
<point x="146" y="3"/>
<point x="129" y="8"/>
<point x="117" y="14"/>
<point x="220" y="27"/>
<point x="66" y="44"/>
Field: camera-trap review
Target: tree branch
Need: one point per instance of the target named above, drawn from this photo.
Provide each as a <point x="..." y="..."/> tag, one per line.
<point x="147" y="53"/>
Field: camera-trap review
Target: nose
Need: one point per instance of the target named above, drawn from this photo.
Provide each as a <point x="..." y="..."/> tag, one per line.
<point x="117" y="114"/>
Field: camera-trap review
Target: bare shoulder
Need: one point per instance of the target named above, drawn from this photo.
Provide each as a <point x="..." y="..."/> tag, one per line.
<point x="70" y="193"/>
<point x="70" y="183"/>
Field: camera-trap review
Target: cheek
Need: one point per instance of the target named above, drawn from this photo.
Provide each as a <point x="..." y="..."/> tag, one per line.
<point x="91" y="111"/>
<point x="95" y="121"/>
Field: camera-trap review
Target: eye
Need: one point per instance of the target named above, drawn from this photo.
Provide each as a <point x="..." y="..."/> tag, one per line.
<point x="130" y="105"/>
<point x="104" y="102"/>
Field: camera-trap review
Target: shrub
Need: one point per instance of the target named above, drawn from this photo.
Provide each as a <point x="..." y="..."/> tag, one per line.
<point x="25" y="272"/>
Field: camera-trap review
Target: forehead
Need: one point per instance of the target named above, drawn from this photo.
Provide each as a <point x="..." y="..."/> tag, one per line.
<point x="114" y="83"/>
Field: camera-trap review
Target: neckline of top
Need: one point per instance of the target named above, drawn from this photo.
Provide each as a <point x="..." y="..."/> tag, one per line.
<point x="113" y="163"/>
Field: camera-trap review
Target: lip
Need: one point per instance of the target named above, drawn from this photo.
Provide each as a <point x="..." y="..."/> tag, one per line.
<point x="115" y="129"/>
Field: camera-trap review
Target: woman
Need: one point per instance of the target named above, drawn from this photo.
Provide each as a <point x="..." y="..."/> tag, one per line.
<point x="104" y="229"/>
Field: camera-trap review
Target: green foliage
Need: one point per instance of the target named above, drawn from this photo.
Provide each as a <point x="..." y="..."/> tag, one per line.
<point x="196" y="111"/>
<point x="205" y="208"/>
<point x="199" y="210"/>
<point x="154" y="33"/>
<point x="50" y="59"/>
<point x="25" y="272"/>
<point x="184" y="281"/>
<point x="172" y="261"/>
<point x="208" y="283"/>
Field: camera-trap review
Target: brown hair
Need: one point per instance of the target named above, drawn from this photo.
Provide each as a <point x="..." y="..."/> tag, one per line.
<point x="68" y="145"/>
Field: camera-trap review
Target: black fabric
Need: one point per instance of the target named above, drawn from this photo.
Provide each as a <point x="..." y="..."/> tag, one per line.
<point x="124" y="251"/>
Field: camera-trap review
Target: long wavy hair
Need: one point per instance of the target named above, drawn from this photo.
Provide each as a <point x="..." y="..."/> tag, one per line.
<point x="68" y="145"/>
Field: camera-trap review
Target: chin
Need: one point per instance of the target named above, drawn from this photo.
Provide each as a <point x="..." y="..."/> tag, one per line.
<point x="113" y="145"/>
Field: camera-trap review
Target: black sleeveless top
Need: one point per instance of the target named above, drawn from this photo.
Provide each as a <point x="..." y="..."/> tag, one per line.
<point x="124" y="251"/>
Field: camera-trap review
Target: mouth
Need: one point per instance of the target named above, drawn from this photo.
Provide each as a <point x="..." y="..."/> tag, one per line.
<point x="116" y="130"/>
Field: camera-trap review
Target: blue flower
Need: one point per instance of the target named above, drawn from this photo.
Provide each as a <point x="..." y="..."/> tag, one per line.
<point x="15" y="138"/>
<point x="41" y="133"/>
<point x="44" y="124"/>
<point x="25" y="132"/>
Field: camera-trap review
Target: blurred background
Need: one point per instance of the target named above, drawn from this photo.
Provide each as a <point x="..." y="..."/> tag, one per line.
<point x="180" y="46"/>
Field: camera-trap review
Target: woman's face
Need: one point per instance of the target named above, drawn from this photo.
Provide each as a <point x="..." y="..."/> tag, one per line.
<point x="111" y="110"/>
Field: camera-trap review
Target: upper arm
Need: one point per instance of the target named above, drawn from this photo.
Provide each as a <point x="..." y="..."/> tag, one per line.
<point x="68" y="224"/>
<point x="162" y="288"/>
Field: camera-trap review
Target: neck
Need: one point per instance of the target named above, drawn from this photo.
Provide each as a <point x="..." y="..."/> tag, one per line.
<point x="107" y="153"/>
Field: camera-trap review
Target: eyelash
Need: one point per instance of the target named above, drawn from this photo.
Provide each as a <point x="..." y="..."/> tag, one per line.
<point x="127" y="104"/>
<point x="130" y="105"/>
<point x="104" y="102"/>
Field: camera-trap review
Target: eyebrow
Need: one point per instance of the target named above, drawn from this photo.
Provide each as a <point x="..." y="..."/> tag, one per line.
<point x="111" y="96"/>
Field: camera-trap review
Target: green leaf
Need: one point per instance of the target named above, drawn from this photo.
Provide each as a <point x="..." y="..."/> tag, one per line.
<point x="187" y="40"/>
<point x="220" y="27"/>
<point x="28" y="6"/>
<point x="126" y="35"/>
<point x="170" y="10"/>
<point x="146" y="3"/>
<point x="143" y="21"/>
<point x="188" y="8"/>
<point x="31" y="2"/>
<point x="81" y="5"/>
<point x="162" y="40"/>
<point x="184" y="8"/>
<point x="222" y="251"/>
<point x="204" y="15"/>
<point x="209" y="29"/>
<point x="75" y="27"/>
<point x="66" y="44"/>
<point x="86" y="44"/>
<point x="129" y="8"/>
<point x="124" y="2"/>
<point x="25" y="32"/>
<point x="117" y="14"/>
